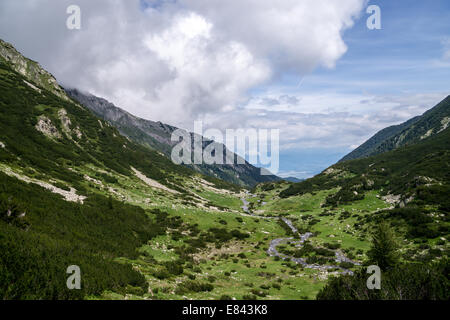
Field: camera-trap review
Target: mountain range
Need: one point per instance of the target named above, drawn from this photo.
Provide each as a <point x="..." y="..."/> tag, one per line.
<point x="84" y="183"/>
<point x="157" y="135"/>
<point x="432" y="122"/>
<point x="401" y="160"/>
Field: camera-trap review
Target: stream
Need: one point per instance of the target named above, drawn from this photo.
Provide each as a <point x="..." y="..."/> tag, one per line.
<point x="273" y="252"/>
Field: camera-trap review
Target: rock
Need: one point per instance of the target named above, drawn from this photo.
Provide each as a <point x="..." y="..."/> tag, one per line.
<point x="46" y="127"/>
<point x="31" y="70"/>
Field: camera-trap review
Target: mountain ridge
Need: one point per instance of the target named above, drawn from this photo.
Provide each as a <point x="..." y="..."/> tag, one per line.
<point x="418" y="128"/>
<point x="157" y="135"/>
<point x="30" y="69"/>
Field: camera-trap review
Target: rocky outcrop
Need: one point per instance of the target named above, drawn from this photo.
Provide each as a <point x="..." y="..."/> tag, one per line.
<point x="47" y="128"/>
<point x="68" y="195"/>
<point x="31" y="70"/>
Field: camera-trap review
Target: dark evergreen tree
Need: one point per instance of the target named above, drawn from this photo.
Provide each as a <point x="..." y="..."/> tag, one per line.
<point x="384" y="250"/>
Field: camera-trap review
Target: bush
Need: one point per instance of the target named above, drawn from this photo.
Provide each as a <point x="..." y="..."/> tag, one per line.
<point x="174" y="267"/>
<point x="412" y="281"/>
<point x="346" y="265"/>
<point x="332" y="246"/>
<point x="383" y="251"/>
<point x="138" y="291"/>
<point x="259" y="293"/>
<point x="193" y="286"/>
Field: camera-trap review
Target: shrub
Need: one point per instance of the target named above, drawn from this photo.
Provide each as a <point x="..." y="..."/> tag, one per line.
<point x="193" y="286"/>
<point x="383" y="251"/>
<point x="412" y="281"/>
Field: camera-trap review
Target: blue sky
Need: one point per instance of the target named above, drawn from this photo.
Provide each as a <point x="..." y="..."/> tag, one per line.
<point x="403" y="54"/>
<point x="404" y="57"/>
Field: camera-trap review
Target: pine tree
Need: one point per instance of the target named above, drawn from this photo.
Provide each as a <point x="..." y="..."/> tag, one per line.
<point x="110" y="203"/>
<point x="384" y="250"/>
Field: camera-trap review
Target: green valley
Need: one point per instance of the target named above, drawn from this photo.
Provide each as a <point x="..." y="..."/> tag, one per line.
<point x="75" y="191"/>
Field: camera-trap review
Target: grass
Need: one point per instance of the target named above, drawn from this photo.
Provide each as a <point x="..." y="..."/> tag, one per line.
<point x="240" y="277"/>
<point x="239" y="268"/>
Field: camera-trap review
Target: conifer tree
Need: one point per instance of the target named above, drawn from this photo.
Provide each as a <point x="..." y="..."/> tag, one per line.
<point x="384" y="249"/>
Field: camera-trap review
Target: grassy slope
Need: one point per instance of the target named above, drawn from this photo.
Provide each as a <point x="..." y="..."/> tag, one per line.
<point x="346" y="223"/>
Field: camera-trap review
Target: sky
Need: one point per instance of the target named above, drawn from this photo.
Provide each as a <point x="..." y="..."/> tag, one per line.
<point x="310" y="68"/>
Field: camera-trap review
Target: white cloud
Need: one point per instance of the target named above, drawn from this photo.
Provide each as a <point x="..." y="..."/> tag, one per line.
<point x="210" y="76"/>
<point x="446" y="46"/>
<point x="341" y="121"/>
<point x="295" y="35"/>
<point x="179" y="60"/>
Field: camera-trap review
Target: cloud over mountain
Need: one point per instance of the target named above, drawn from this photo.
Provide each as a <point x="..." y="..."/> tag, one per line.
<point x="172" y="60"/>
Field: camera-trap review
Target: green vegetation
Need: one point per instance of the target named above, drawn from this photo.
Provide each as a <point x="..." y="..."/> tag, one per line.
<point x="73" y="191"/>
<point x="41" y="235"/>
<point x="384" y="250"/>
<point x="412" y="131"/>
<point x="405" y="282"/>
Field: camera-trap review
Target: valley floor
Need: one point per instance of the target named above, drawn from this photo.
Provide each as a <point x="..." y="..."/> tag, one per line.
<point x="263" y="265"/>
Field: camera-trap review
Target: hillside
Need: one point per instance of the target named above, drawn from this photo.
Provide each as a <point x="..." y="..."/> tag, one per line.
<point x="405" y="190"/>
<point x="430" y="123"/>
<point x="30" y="69"/>
<point x="74" y="191"/>
<point x="401" y="172"/>
<point x="157" y="136"/>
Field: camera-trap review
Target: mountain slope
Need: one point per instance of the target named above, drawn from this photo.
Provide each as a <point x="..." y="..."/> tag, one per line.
<point x="50" y="217"/>
<point x="157" y="136"/>
<point x="31" y="70"/>
<point x="405" y="172"/>
<point x="73" y="191"/>
<point x="430" y="123"/>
